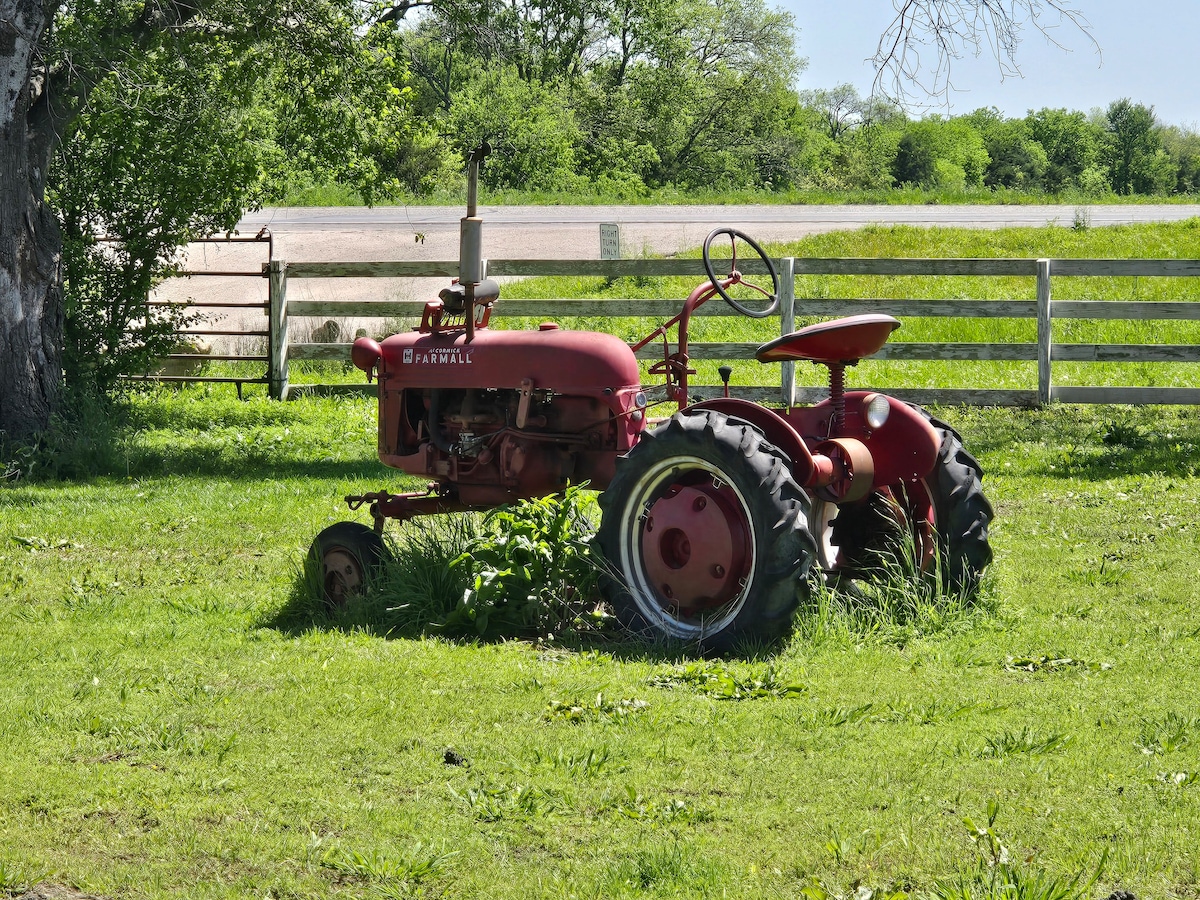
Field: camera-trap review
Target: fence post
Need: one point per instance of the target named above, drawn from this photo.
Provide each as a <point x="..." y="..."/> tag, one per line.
<point x="277" y="326"/>
<point x="1044" y="316"/>
<point x="787" y="324"/>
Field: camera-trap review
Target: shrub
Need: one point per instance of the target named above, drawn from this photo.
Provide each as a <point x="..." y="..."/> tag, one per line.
<point x="532" y="569"/>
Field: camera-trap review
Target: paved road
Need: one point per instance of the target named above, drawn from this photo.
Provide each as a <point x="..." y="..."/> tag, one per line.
<point x="815" y="217"/>
<point x="571" y="231"/>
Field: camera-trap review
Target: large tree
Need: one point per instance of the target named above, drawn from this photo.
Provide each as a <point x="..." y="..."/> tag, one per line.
<point x="153" y="121"/>
<point x="31" y="306"/>
<point x="1133" y="148"/>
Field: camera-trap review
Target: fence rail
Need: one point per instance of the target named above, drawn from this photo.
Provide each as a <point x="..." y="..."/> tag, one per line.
<point x="1040" y="307"/>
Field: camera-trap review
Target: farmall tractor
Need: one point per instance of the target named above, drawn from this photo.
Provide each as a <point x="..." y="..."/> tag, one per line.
<point x="712" y="518"/>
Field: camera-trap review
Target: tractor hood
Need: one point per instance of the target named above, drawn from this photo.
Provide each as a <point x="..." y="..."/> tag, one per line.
<point x="565" y="362"/>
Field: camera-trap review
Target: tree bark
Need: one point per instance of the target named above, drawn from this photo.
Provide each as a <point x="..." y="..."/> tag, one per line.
<point x="31" y="298"/>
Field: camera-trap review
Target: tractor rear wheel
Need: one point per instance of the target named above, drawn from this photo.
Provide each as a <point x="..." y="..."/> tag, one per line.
<point x="936" y="525"/>
<point x="705" y="534"/>
<point x="346" y="556"/>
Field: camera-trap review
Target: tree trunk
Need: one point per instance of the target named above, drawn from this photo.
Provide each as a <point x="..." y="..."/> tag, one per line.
<point x="31" y="299"/>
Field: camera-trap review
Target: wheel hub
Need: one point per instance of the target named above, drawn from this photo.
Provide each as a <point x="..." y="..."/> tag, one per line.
<point x="342" y="575"/>
<point x="696" y="546"/>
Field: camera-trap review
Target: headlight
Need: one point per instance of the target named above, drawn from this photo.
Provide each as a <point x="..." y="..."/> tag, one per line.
<point x="877" y="408"/>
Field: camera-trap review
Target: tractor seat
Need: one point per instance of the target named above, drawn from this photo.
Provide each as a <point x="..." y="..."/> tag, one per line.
<point x="837" y="341"/>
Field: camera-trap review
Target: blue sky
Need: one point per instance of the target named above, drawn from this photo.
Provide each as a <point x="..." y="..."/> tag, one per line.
<point x="1148" y="52"/>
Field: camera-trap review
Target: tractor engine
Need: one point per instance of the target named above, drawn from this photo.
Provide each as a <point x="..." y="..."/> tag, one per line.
<point x="507" y="415"/>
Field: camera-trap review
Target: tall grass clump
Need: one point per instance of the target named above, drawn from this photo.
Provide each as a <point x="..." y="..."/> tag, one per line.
<point x="83" y="439"/>
<point x="894" y="599"/>
<point x="996" y="875"/>
<point x="422" y="587"/>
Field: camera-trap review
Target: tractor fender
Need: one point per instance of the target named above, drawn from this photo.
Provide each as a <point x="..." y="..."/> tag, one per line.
<point x="774" y="427"/>
<point x="905" y="448"/>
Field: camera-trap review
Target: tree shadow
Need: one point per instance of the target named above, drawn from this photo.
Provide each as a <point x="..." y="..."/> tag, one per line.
<point x="1094" y="443"/>
<point x="96" y="436"/>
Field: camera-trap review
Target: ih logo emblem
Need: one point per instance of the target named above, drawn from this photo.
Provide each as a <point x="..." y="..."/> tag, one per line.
<point x="408" y="355"/>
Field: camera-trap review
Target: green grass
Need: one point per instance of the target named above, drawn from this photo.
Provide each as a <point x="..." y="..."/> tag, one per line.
<point x="452" y="193"/>
<point x="174" y="723"/>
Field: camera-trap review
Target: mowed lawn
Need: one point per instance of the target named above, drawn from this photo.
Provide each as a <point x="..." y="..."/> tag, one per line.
<point x="175" y="721"/>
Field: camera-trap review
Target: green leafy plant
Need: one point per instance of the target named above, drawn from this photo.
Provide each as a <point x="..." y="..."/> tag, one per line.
<point x="1026" y="740"/>
<point x="532" y="569"/>
<point x="414" y="867"/>
<point x="1117" y="433"/>
<point x="1046" y="663"/>
<point x="583" y="764"/>
<point x="1178" y="779"/>
<point x="671" y="812"/>
<point x="723" y="684"/>
<point x="493" y="802"/>
<point x="600" y="708"/>
<point x="14" y="879"/>
<point x="1165" y="735"/>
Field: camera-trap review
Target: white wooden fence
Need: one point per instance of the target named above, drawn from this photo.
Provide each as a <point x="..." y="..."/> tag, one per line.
<point x="1040" y="307"/>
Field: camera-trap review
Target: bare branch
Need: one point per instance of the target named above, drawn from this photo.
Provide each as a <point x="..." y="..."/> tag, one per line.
<point x="946" y="29"/>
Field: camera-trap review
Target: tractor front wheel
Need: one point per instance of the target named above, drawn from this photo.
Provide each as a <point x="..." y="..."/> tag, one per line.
<point x="346" y="556"/>
<point x="705" y="534"/>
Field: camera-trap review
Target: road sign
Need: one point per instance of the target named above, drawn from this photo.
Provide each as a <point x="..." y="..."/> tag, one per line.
<point x="610" y="241"/>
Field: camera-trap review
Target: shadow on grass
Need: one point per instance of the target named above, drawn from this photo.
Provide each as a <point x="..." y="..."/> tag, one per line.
<point x="1089" y="442"/>
<point x="169" y="433"/>
<point x="261" y="467"/>
<point x="890" y="613"/>
<point x="416" y="597"/>
<point x="377" y="612"/>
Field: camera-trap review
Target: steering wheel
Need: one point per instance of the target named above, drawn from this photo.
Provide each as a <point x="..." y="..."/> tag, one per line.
<point x="772" y="297"/>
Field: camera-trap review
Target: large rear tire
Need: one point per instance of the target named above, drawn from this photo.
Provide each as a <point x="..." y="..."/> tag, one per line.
<point x="938" y="525"/>
<point x="705" y="534"/>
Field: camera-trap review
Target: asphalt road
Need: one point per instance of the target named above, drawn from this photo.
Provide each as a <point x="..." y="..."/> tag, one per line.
<point x="815" y="217"/>
<point x="572" y="231"/>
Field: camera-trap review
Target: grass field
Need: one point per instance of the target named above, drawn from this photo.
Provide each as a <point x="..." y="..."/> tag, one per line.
<point x="176" y="721"/>
<point x="177" y="718"/>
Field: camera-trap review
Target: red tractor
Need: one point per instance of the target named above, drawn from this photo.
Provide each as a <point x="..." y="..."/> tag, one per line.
<point x="712" y="518"/>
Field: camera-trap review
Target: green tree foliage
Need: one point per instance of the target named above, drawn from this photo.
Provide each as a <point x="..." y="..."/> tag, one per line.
<point x="848" y="142"/>
<point x="1015" y="159"/>
<point x="948" y="154"/>
<point x="1183" y="146"/>
<point x="530" y="120"/>
<point x="1071" y="143"/>
<point x="916" y="159"/>
<point x="1133" y="149"/>
<point x="634" y="94"/>
<point x="175" y="120"/>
